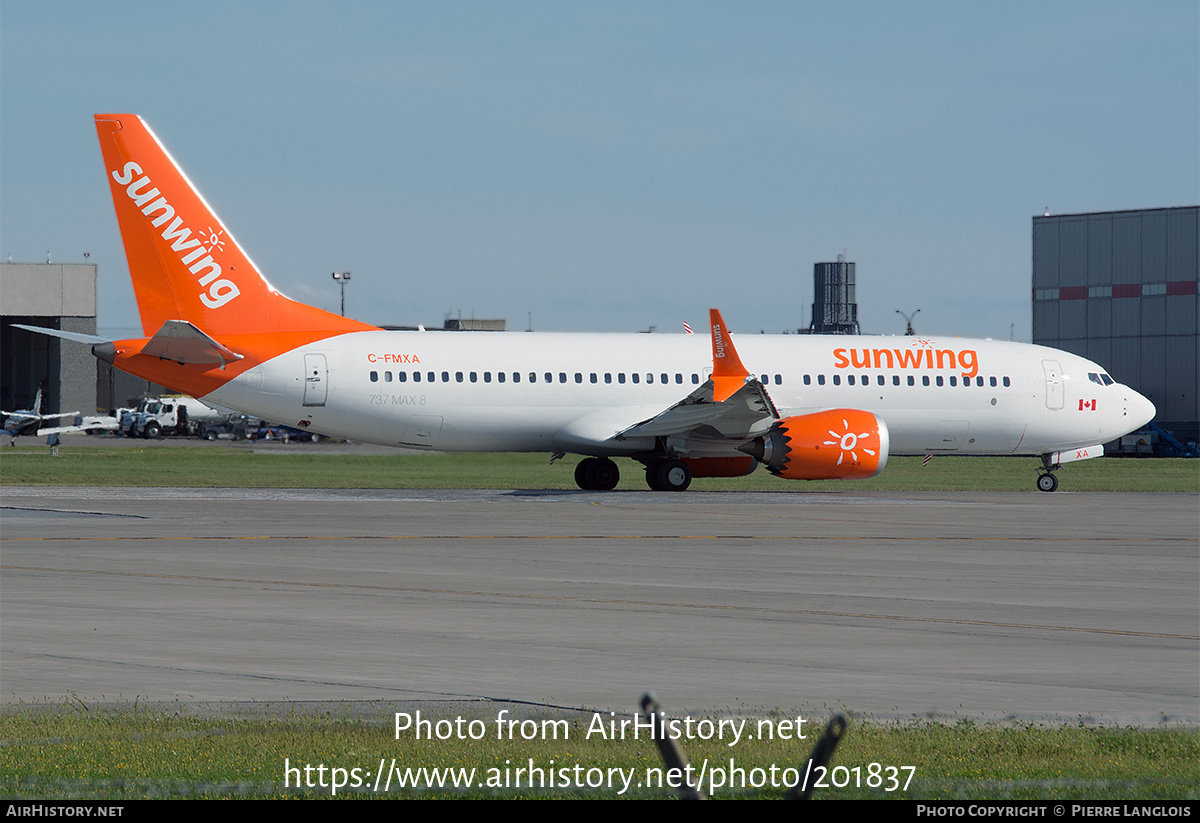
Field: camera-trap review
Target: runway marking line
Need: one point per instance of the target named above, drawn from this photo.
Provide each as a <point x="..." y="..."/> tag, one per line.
<point x="697" y="606"/>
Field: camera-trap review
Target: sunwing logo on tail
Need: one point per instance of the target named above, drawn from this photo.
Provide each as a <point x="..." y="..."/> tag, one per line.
<point x="219" y="291"/>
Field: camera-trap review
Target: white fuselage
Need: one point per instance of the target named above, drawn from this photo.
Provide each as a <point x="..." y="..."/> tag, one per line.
<point x="498" y="391"/>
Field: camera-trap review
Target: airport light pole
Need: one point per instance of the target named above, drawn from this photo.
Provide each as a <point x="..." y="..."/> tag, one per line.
<point x="342" y="277"/>
<point x="908" y="319"/>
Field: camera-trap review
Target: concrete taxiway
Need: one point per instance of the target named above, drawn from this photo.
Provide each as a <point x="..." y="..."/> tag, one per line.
<point x="982" y="606"/>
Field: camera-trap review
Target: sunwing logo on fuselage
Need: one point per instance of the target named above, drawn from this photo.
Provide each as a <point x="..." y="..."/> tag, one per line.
<point x="220" y="291"/>
<point x="926" y="357"/>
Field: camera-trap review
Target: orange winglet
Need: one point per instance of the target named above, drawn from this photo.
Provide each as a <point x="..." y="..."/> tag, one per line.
<point x="728" y="373"/>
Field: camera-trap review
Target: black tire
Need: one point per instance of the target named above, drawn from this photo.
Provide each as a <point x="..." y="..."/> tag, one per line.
<point x="582" y="471"/>
<point x="210" y="436"/>
<point x="153" y="431"/>
<point x="669" y="476"/>
<point x="603" y="475"/>
<point x="1047" y="482"/>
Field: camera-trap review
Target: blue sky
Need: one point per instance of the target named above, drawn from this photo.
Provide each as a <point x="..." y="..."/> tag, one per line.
<point x="609" y="166"/>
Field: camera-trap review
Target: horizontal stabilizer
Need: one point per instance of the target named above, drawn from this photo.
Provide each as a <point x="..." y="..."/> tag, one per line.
<point x="182" y="342"/>
<point x="78" y="337"/>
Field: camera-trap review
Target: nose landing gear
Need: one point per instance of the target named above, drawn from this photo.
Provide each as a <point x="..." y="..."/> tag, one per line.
<point x="1047" y="482"/>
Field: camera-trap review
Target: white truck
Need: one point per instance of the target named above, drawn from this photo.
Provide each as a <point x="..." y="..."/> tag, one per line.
<point x="167" y="415"/>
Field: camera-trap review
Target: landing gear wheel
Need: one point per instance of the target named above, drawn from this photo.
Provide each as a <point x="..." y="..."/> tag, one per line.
<point x="1047" y="482"/>
<point x="597" y="474"/>
<point x="668" y="476"/>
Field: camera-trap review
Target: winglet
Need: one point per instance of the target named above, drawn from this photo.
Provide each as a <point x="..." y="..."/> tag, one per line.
<point x="728" y="373"/>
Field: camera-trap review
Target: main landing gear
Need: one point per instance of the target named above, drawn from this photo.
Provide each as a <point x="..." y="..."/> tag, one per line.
<point x="597" y="474"/>
<point x="600" y="474"/>
<point x="668" y="475"/>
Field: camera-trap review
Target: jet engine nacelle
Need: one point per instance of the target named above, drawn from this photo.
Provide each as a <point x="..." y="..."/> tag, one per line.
<point x="826" y="445"/>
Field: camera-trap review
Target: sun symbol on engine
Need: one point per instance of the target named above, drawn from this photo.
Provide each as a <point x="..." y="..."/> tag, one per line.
<point x="213" y="239"/>
<point x="848" y="441"/>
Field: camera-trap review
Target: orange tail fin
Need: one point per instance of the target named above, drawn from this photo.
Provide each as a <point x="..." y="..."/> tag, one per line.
<point x="184" y="263"/>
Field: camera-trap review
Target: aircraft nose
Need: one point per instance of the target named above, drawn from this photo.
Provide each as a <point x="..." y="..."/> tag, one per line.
<point x="1138" y="409"/>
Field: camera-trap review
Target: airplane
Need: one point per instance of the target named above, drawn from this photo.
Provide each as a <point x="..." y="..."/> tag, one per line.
<point x="681" y="405"/>
<point x="28" y="422"/>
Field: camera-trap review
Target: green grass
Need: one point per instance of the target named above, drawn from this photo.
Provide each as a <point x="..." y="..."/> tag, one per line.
<point x="234" y="467"/>
<point x="74" y="751"/>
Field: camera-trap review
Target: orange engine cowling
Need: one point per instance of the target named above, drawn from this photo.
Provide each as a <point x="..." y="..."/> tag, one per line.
<point x="825" y="445"/>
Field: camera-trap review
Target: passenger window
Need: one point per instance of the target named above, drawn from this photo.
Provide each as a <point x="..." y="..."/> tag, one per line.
<point x="779" y="380"/>
<point x="458" y="377"/>
<point x="402" y="377"/>
<point x="562" y="377"/>
<point x="849" y="379"/>
<point x="895" y="380"/>
<point x="837" y="380"/>
<point x="939" y="380"/>
<point x="474" y="377"/>
<point x="820" y="380"/>
<point x="592" y="377"/>
<point x="664" y="378"/>
<point x="500" y="377"/>
<point x="649" y="378"/>
<point x="578" y="377"/>
<point x="620" y="377"/>
<point x="549" y="377"/>
<point x="764" y="379"/>
<point x="678" y="379"/>
<point x="533" y="377"/>
<point x="487" y="377"/>
<point x="516" y="377"/>
<point x="1006" y="383"/>
<point x="924" y="380"/>
<point x="808" y="379"/>
<point x="635" y="377"/>
<point x="608" y="377"/>
<point x="953" y="381"/>
<point x="695" y="379"/>
<point x="445" y="377"/>
<point x="387" y="377"/>
<point x="978" y="381"/>
<point x="374" y="377"/>
<point x="430" y="377"/>
<point x="416" y="377"/>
